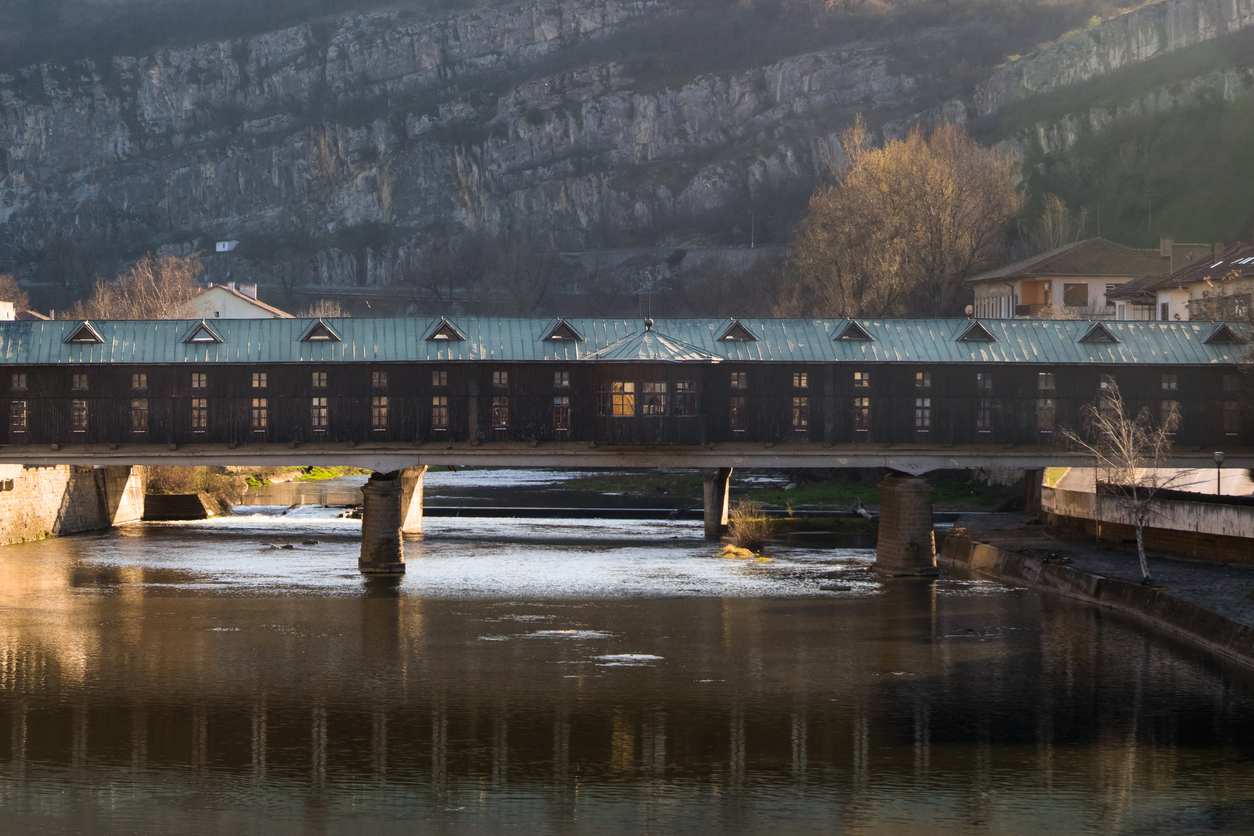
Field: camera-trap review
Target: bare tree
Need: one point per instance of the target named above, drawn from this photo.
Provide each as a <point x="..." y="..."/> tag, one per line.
<point x="324" y="307"/>
<point x="517" y="280"/>
<point x="10" y="291"/>
<point x="153" y="288"/>
<point x="1052" y="228"/>
<point x="1129" y="455"/>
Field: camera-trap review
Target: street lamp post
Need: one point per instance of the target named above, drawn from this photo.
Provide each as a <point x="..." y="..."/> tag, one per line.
<point x="1219" y="463"/>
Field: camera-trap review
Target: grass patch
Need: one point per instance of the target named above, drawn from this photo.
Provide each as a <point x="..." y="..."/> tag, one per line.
<point x="318" y="473"/>
<point x="747" y="526"/>
<point x="1053" y="475"/>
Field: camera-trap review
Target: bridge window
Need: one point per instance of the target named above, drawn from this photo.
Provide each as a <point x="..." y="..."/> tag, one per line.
<point x="617" y="398"/>
<point x="200" y="415"/>
<point x="139" y="415"/>
<point x="379" y="380"/>
<point x="1232" y="417"/>
<point x="561" y="413"/>
<point x="1106" y="382"/>
<point x="922" y="380"/>
<point x="800" y="380"/>
<point x="19" y="382"/>
<point x="319" y="380"/>
<point x="801" y="415"/>
<point x="1045" y="415"/>
<point x="500" y="412"/>
<point x="78" y="416"/>
<point x="652" y="398"/>
<point x="739" y="415"/>
<point x="318" y="414"/>
<point x="1170" y="383"/>
<point x="862" y="415"/>
<point x="139" y="381"/>
<point x="439" y="413"/>
<point x="78" y="381"/>
<point x="17" y="417"/>
<point x="685" y="398"/>
<point x="1230" y="383"/>
<point x="439" y="378"/>
<point x="1045" y="381"/>
<point x="984" y="381"/>
<point x="260" y="416"/>
<point x="862" y="380"/>
<point x="1169" y="415"/>
<point x="922" y="414"/>
<point x="561" y="380"/>
<point x="379" y="412"/>
<point x="739" y="380"/>
<point x="984" y="415"/>
<point x="500" y="380"/>
<point x="200" y="380"/>
<point x="259" y="380"/>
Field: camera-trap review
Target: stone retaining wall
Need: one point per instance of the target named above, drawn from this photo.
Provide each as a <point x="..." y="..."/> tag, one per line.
<point x="39" y="502"/>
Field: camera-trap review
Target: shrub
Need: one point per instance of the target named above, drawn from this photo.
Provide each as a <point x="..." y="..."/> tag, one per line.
<point x="748" y="526"/>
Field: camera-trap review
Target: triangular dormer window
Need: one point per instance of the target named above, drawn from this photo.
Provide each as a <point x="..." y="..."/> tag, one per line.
<point x="1224" y="335"/>
<point x="202" y="334"/>
<point x="563" y="331"/>
<point x="445" y="331"/>
<point x="736" y="332"/>
<point x="976" y="333"/>
<point x="1099" y="333"/>
<point x="320" y="332"/>
<point x="854" y="332"/>
<point x="85" y="333"/>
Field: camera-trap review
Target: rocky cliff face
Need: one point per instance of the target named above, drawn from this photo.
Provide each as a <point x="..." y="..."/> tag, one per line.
<point x="363" y="147"/>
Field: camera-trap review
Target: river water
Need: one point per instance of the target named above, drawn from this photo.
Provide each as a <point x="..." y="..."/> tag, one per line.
<point x="558" y="676"/>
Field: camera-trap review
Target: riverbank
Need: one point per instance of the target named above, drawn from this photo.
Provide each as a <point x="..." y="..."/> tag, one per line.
<point x="1210" y="605"/>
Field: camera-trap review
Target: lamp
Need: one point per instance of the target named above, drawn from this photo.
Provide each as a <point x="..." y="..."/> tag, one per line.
<point x="1219" y="463"/>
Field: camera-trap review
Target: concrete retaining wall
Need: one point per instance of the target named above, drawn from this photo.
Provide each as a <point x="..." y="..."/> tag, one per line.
<point x="1156" y="609"/>
<point x="38" y="502"/>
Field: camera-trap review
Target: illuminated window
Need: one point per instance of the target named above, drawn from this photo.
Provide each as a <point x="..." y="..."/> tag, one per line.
<point x="78" y="381"/>
<point x="739" y="415"/>
<point x="652" y="398"/>
<point x="78" y="416"/>
<point x="200" y="414"/>
<point x="800" y="414"/>
<point x="1170" y="383"/>
<point x="862" y="380"/>
<point x="617" y="398"/>
<point x="561" y="380"/>
<point x="139" y="381"/>
<point x="439" y="412"/>
<point x="19" y="381"/>
<point x="739" y="380"/>
<point x="1045" y="415"/>
<point x="561" y="413"/>
<point x="318" y="413"/>
<point x="259" y="380"/>
<point x="379" y="412"/>
<point x="800" y="380"/>
<point x="685" y="398"/>
<point x="319" y="380"/>
<point x="922" y="414"/>
<point x="200" y="380"/>
<point x="861" y="414"/>
<point x="260" y="416"/>
<point x="984" y="415"/>
<point x="139" y="415"/>
<point x="1045" y="381"/>
<point x="922" y="380"/>
<point x="500" y="412"/>
<point x="17" y="417"/>
<point x="439" y="378"/>
<point x="379" y="380"/>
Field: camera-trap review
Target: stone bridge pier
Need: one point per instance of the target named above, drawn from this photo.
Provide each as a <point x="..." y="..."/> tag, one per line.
<point x="391" y="507"/>
<point x="906" y="545"/>
<point x="714" y="494"/>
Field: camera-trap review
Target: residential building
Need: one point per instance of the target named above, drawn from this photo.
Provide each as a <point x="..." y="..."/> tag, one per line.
<point x="230" y="301"/>
<point x="1218" y="287"/>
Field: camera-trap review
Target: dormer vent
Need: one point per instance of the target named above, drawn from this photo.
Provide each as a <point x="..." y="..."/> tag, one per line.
<point x="85" y="333"/>
<point x="854" y="332"/>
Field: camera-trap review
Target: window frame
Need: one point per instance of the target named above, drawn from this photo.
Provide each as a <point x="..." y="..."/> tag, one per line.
<point x="378" y="413"/>
<point x="139" y="415"/>
<point x="200" y="415"/>
<point x="80" y="415"/>
<point x="319" y="414"/>
<point x="259" y="417"/>
<point x="19" y="416"/>
<point x="923" y="414"/>
<point x="801" y="413"/>
<point x="439" y="413"/>
<point x="139" y="380"/>
<point x="561" y="414"/>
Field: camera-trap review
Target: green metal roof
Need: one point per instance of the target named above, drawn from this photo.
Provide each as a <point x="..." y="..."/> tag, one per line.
<point x="691" y="340"/>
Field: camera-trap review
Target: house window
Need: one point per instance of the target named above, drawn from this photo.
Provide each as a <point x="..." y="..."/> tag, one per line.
<point x="1045" y="381"/>
<point x="1075" y="295"/>
<point x="439" y="378"/>
<point x="200" y="415"/>
<point x="1232" y="417"/>
<point x="685" y="398"/>
<point x="78" y="416"/>
<point x="561" y="413"/>
<point x="652" y="398"/>
<point x="739" y="415"/>
<point x="19" y="381"/>
<point x="139" y="415"/>
<point x="261" y="415"/>
<point x="439" y="412"/>
<point x="500" y="380"/>
<point x="318" y="413"/>
<point x="1169" y="415"/>
<point x="984" y="381"/>
<point x="259" y="380"/>
<point x="319" y="380"/>
<point x="561" y="380"/>
<point x="139" y="381"/>
<point x="379" y="380"/>
<point x="17" y="417"/>
<point x="379" y="412"/>
<point x="862" y="415"/>
<point x="801" y="415"/>
<point x="1164" y="311"/>
<point x="922" y="415"/>
<point x="922" y="380"/>
<point x="1045" y="415"/>
<point x="200" y="380"/>
<point x="984" y="415"/>
<point x="78" y="381"/>
<point x="1169" y="383"/>
<point x="739" y="380"/>
<point x="800" y="380"/>
<point x="862" y="380"/>
<point x="500" y="412"/>
<point x="1230" y="383"/>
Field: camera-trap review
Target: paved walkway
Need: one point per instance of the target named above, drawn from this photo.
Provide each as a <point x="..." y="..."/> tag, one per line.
<point x="1226" y="589"/>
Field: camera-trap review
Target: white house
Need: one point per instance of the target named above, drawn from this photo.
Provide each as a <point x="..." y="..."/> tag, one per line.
<point x="230" y="302"/>
<point x="1217" y="287"/>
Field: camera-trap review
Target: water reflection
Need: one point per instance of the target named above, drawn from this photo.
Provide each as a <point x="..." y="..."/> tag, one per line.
<point x="149" y="683"/>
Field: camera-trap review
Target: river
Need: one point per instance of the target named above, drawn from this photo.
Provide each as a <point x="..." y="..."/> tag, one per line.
<point x="581" y="676"/>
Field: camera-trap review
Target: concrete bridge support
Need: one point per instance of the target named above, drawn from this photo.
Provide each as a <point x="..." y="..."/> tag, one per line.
<point x="715" y="494"/>
<point x="382" y="552"/>
<point x="411" y="499"/>
<point x="906" y="545"/>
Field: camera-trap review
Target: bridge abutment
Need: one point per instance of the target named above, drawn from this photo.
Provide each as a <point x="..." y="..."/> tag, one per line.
<point x="382" y="551"/>
<point x="411" y="479"/>
<point x="906" y="545"/>
<point x="715" y="496"/>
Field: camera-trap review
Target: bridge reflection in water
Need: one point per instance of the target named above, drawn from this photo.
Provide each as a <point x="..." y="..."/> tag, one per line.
<point x="140" y="693"/>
